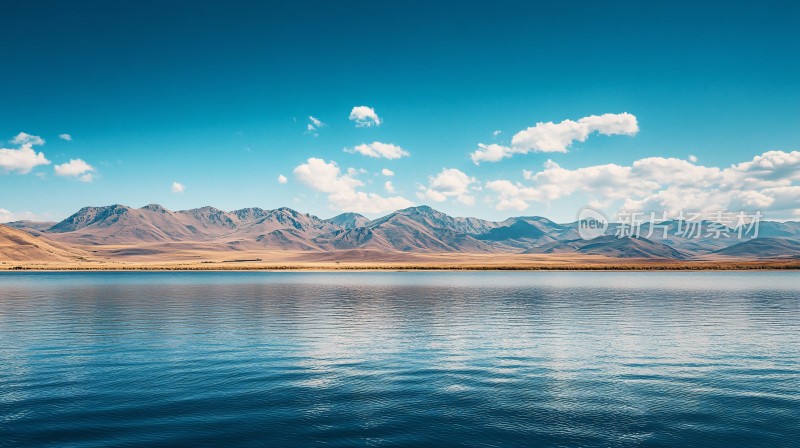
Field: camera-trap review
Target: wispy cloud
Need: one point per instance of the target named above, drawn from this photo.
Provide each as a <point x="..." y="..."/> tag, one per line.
<point x="178" y="187"/>
<point x="27" y="139"/>
<point x="313" y="126"/>
<point x="66" y="137"/>
<point x="378" y="150"/>
<point x="9" y="216"/>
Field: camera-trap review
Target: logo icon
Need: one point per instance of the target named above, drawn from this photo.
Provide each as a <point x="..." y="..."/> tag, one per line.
<point x="591" y="224"/>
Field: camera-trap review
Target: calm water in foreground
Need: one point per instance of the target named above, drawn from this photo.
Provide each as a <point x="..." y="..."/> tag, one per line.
<point x="413" y="359"/>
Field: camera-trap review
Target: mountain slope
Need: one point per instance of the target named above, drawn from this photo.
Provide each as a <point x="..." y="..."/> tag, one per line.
<point x="788" y="229"/>
<point x="429" y="217"/>
<point x="763" y="248"/>
<point x="32" y="227"/>
<point x="612" y="246"/>
<point x="423" y="229"/>
<point x="18" y="245"/>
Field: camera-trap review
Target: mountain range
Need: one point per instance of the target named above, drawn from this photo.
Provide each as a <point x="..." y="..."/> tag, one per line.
<point x="122" y="231"/>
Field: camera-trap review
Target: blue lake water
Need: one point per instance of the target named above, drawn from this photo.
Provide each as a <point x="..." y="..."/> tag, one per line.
<point x="625" y="359"/>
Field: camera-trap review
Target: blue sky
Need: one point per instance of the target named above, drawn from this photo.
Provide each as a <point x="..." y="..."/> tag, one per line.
<point x="217" y="97"/>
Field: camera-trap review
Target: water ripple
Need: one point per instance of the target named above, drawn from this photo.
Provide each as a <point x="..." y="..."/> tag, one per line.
<point x="402" y="359"/>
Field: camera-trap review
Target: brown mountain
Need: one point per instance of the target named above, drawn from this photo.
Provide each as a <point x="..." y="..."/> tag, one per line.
<point x="119" y="230"/>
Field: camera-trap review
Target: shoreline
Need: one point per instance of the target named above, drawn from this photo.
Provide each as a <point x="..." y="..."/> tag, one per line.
<point x="388" y="267"/>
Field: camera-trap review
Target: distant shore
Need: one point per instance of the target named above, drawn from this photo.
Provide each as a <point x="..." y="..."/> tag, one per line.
<point x="368" y="266"/>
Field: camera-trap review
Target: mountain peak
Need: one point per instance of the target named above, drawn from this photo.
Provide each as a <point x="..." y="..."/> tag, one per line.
<point x="206" y="209"/>
<point x="286" y="210"/>
<point x="421" y="209"/>
<point x="349" y="220"/>
<point x="154" y="208"/>
<point x="90" y="215"/>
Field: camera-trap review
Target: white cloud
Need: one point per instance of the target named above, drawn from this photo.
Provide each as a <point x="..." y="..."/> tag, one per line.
<point x="9" y="216"/>
<point x="22" y="159"/>
<point x="313" y="126"/>
<point x="178" y="187"/>
<point x="388" y="186"/>
<point x="342" y="189"/>
<point x="364" y="117"/>
<point x="66" y="137"/>
<point x="387" y="172"/>
<point x="692" y="158"/>
<point x="6" y="216"/>
<point x="76" y="168"/>
<point x="491" y="153"/>
<point x="450" y="182"/>
<point x="768" y="182"/>
<point x="282" y="179"/>
<point x="355" y="171"/>
<point x="496" y="133"/>
<point x="378" y="149"/>
<point x="23" y="139"/>
<point x="557" y="137"/>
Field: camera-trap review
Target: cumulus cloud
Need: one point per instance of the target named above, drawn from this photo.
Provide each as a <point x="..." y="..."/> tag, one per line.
<point x="768" y="182"/>
<point x="342" y="189"/>
<point x="557" y="137"/>
<point x="387" y="172"/>
<point x="66" y="137"/>
<point x="178" y="187"/>
<point x="282" y="179"/>
<point x="22" y="159"/>
<point x="388" y="186"/>
<point x="450" y="182"/>
<point x="378" y="150"/>
<point x="76" y="168"/>
<point x="364" y="117"/>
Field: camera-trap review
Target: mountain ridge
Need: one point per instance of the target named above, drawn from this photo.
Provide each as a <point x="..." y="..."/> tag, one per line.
<point x="420" y="229"/>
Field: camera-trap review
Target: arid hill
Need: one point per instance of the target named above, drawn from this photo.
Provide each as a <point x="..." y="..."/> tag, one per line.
<point x="20" y="246"/>
<point x="119" y="232"/>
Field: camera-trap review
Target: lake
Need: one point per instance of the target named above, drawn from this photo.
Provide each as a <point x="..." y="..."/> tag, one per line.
<point x="617" y="359"/>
